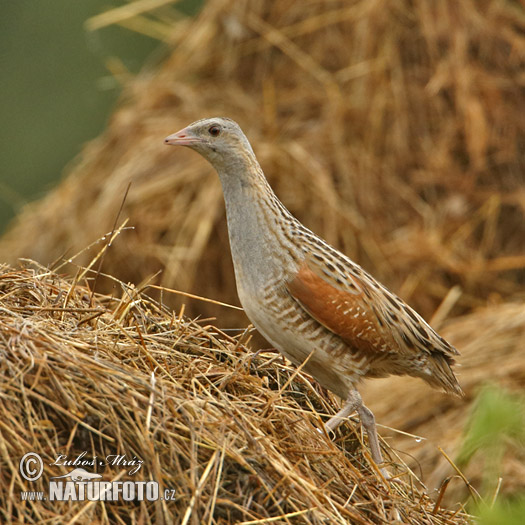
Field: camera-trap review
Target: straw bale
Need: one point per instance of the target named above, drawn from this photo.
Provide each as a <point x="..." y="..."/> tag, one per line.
<point x="234" y="435"/>
<point x="393" y="129"/>
<point x="492" y="342"/>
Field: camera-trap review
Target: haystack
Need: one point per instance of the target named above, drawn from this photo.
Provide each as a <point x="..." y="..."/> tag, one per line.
<point x="231" y="437"/>
<point x="395" y="131"/>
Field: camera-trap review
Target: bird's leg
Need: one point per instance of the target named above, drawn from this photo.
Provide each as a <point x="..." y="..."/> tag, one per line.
<point x="339" y="418"/>
<point x="355" y="403"/>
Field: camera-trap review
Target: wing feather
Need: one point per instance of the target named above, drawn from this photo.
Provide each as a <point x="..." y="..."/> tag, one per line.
<point x="375" y="324"/>
<point x="364" y="314"/>
<point x="344" y="310"/>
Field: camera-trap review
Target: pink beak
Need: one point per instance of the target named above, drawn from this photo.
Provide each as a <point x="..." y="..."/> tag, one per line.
<point x="182" y="138"/>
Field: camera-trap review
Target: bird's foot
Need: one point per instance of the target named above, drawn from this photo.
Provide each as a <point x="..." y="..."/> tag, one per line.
<point x="330" y="432"/>
<point x="378" y="466"/>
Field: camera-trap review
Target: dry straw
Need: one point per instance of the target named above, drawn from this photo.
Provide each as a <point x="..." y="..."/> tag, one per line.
<point x="233" y="435"/>
<point x="491" y="342"/>
<point x="393" y="129"/>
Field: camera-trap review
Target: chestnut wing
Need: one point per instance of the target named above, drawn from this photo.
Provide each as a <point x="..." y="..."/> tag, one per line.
<point x="346" y="308"/>
<point x="374" y="323"/>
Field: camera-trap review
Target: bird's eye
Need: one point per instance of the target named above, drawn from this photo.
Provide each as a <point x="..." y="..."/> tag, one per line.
<point x="214" y="130"/>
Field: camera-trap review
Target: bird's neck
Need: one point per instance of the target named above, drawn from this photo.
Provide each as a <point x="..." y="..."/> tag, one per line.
<point x="257" y="222"/>
<point x="249" y="197"/>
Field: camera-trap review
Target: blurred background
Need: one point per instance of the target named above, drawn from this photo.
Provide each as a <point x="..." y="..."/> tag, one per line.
<point x="394" y="130"/>
<point x="59" y="84"/>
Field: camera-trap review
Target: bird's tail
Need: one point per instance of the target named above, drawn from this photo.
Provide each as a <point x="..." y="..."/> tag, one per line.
<point x="439" y="374"/>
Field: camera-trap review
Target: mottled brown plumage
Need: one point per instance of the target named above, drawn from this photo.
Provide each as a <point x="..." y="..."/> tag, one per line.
<point x="318" y="307"/>
<point x="362" y="312"/>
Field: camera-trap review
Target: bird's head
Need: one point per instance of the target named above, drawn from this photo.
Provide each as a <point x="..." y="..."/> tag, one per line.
<point x="219" y="140"/>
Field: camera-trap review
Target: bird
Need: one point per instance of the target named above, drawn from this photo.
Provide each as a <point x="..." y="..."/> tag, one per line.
<point x="320" y="309"/>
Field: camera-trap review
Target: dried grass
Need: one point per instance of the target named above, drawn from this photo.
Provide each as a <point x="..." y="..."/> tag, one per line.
<point x="395" y="131"/>
<point x="492" y="342"/>
<point x="234" y="436"/>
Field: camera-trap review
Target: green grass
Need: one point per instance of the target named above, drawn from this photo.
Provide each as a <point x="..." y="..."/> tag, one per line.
<point x="496" y="427"/>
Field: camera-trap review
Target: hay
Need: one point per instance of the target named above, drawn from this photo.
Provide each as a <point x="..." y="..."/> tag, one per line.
<point x="233" y="435"/>
<point x="492" y="342"/>
<point x="395" y="131"/>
